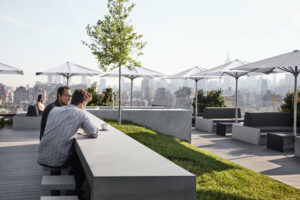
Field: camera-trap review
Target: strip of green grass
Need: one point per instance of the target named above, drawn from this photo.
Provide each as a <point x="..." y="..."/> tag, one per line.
<point x="217" y="178"/>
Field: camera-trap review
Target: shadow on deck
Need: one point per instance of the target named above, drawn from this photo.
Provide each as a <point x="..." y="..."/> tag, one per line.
<point x="20" y="174"/>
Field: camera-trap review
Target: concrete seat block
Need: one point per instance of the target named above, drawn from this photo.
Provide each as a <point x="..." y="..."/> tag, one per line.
<point x="248" y="134"/>
<point x="203" y="124"/>
<point x="26" y="122"/>
<point x="59" y="198"/>
<point x="65" y="182"/>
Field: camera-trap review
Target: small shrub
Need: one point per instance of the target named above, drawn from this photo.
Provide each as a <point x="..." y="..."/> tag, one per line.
<point x="213" y="98"/>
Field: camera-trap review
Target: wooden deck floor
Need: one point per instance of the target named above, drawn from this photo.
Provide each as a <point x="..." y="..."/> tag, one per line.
<point x="20" y="175"/>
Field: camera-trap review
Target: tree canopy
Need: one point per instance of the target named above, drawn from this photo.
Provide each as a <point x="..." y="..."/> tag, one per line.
<point x="113" y="40"/>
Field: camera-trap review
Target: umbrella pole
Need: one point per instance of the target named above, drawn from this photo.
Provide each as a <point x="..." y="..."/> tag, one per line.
<point x="119" y="117"/>
<point x="295" y="103"/>
<point x="236" y="92"/>
<point x="67" y="81"/>
<point x="131" y="92"/>
<point x="196" y="99"/>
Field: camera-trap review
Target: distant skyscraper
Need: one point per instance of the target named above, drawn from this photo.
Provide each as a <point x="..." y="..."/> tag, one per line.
<point x="83" y="80"/>
<point x="50" y="79"/>
<point x="57" y="79"/>
<point x="228" y="58"/>
<point x="102" y="85"/>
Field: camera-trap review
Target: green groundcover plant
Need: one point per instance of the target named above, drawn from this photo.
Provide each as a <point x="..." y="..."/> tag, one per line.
<point x="217" y="178"/>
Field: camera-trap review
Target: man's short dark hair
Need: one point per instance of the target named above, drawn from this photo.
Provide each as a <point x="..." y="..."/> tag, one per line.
<point x="80" y="96"/>
<point x="61" y="90"/>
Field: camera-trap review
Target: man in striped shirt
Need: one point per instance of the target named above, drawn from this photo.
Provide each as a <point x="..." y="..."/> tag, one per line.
<point x="56" y="146"/>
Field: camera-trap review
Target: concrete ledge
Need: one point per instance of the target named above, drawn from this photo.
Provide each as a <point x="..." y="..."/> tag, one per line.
<point x="119" y="167"/>
<point x="204" y="124"/>
<point x="25" y="122"/>
<point x="248" y="134"/>
<point x="171" y="122"/>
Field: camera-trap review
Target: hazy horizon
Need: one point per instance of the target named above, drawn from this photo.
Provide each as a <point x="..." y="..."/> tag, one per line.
<point x="180" y="34"/>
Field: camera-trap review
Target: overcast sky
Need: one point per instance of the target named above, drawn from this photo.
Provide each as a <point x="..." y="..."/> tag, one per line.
<point x="180" y="34"/>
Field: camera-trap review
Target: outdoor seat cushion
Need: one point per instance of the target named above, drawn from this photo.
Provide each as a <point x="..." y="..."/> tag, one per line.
<point x="220" y="112"/>
<point x="220" y="120"/>
<point x="276" y="128"/>
<point x="268" y="119"/>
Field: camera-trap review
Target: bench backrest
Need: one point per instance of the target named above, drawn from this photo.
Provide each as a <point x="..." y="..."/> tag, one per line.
<point x="256" y="119"/>
<point x="32" y="111"/>
<point x="220" y="112"/>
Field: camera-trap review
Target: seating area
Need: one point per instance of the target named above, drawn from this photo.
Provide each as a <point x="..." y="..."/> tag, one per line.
<point x="213" y="115"/>
<point x="258" y="124"/>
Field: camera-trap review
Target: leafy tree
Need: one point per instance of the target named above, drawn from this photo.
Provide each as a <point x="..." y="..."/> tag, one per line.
<point x="288" y="105"/>
<point x="95" y="96"/>
<point x="114" y="42"/>
<point x="107" y="97"/>
<point x="213" y="98"/>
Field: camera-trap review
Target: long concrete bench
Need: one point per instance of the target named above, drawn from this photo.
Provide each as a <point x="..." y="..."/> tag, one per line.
<point x="258" y="124"/>
<point x="172" y="122"/>
<point x="213" y="115"/>
<point x="119" y="167"/>
<point x="21" y="121"/>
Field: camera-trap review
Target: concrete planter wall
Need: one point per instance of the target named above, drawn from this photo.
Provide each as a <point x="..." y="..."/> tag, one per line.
<point x="171" y="122"/>
<point x="24" y="122"/>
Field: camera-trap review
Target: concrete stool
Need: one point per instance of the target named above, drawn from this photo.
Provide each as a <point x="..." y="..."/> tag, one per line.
<point x="63" y="182"/>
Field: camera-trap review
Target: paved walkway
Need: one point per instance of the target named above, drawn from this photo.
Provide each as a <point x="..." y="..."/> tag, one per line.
<point x="20" y="175"/>
<point x="284" y="167"/>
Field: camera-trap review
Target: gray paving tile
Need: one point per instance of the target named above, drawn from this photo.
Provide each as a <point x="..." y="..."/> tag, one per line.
<point x="284" y="167"/>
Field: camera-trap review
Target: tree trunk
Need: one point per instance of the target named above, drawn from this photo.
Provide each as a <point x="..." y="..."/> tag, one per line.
<point x="119" y="116"/>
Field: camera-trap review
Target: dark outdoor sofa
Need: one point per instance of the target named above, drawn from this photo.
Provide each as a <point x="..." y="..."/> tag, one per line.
<point x="213" y="115"/>
<point x="258" y="124"/>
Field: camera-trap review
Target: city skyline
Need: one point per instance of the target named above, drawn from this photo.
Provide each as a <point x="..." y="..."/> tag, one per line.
<point x="180" y="34"/>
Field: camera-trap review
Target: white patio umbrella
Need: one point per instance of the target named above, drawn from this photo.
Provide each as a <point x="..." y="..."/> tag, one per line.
<point x="69" y="70"/>
<point x="227" y="70"/>
<point x="288" y="62"/>
<point x="189" y="74"/>
<point x="6" y="69"/>
<point x="133" y="73"/>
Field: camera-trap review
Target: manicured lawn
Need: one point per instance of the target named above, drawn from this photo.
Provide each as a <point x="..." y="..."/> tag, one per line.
<point x="217" y="178"/>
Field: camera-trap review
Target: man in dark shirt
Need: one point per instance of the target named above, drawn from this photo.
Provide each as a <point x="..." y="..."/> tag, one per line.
<point x="63" y="98"/>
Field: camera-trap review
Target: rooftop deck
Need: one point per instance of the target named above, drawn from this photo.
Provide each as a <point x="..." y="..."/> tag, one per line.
<point x="284" y="167"/>
<point x="20" y="174"/>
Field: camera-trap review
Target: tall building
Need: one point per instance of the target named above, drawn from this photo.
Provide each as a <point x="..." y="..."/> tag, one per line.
<point x="161" y="97"/>
<point x="50" y="79"/>
<point x="184" y="98"/>
<point x="21" y="94"/>
<point x="228" y="58"/>
<point x="35" y="92"/>
<point x="57" y="79"/>
<point x="102" y="85"/>
<point x="83" y="80"/>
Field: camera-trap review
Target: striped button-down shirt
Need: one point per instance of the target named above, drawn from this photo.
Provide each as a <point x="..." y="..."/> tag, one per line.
<point x="62" y="125"/>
